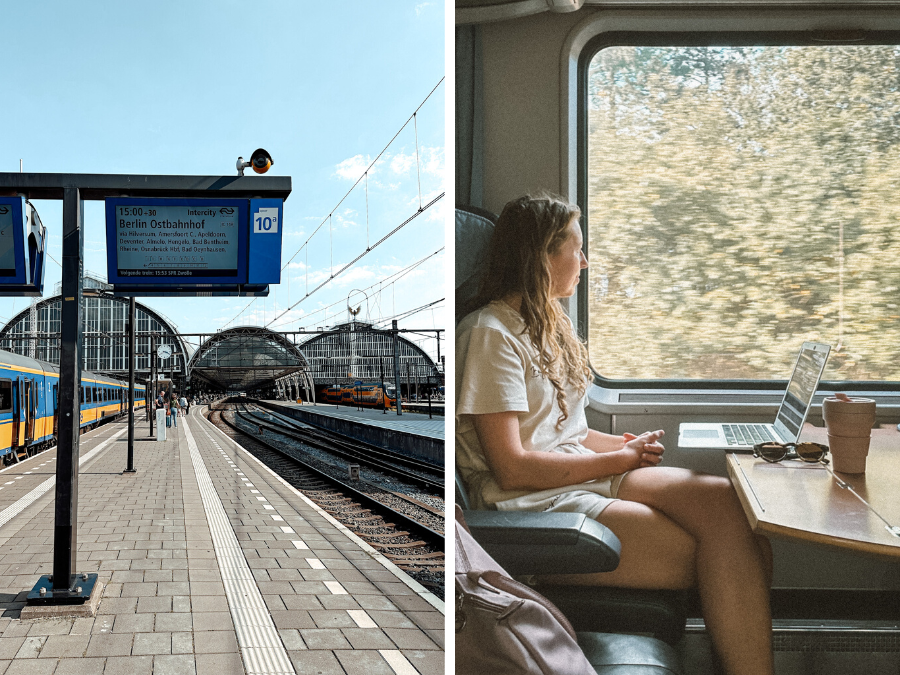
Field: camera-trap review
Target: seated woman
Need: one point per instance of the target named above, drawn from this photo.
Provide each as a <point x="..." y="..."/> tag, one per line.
<point x="523" y="443"/>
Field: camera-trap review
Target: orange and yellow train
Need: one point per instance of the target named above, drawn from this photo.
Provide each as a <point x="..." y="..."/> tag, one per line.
<point x="366" y="394"/>
<point x="29" y="402"/>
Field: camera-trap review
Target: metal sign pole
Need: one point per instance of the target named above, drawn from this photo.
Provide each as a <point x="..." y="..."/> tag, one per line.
<point x="153" y="395"/>
<point x="397" y="365"/>
<point x="65" y="531"/>
<point x="131" y="317"/>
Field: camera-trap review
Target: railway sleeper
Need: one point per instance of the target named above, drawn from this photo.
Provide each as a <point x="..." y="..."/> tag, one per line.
<point x="386" y="535"/>
<point x="414" y="544"/>
<point x="367" y="518"/>
<point x="375" y="526"/>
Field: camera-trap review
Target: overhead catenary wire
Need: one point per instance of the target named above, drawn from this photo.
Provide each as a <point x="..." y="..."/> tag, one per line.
<point x="364" y="176"/>
<point x="387" y="281"/>
<point x="366" y="172"/>
<point x="408" y="313"/>
<point x="350" y="264"/>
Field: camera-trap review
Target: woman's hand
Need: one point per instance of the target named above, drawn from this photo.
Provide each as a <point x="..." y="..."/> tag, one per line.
<point x="644" y="450"/>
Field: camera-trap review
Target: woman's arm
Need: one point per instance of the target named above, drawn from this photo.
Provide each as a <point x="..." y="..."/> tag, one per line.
<point x="515" y="468"/>
<point x="600" y="442"/>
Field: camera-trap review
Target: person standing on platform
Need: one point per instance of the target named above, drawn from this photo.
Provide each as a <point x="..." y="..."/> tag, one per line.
<point x="183" y="404"/>
<point x="173" y="405"/>
<point x="168" y="413"/>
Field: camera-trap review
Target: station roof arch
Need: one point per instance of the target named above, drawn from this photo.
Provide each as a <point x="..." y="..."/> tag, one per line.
<point x="359" y="351"/>
<point x="246" y="358"/>
<point x="35" y="331"/>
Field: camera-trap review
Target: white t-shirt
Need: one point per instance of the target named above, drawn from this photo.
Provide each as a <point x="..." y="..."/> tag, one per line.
<point x="497" y="370"/>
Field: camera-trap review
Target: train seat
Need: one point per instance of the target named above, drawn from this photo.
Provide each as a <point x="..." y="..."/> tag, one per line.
<point x="572" y="543"/>
<point x="515" y="544"/>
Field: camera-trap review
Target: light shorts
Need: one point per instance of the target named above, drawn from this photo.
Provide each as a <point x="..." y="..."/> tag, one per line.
<point x="587" y="498"/>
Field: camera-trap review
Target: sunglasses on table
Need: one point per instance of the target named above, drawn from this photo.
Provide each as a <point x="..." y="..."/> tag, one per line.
<point x="805" y="452"/>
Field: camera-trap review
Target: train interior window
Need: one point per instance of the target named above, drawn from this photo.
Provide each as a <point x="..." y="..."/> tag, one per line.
<point x="743" y="197"/>
<point x="736" y="165"/>
<point x="5" y="395"/>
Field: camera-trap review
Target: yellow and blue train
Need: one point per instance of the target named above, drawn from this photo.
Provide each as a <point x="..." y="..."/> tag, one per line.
<point x="29" y="403"/>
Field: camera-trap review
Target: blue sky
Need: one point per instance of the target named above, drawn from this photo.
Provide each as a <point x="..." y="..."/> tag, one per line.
<point x="186" y="87"/>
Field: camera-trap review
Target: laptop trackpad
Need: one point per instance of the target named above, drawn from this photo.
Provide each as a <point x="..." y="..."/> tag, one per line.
<point x="700" y="433"/>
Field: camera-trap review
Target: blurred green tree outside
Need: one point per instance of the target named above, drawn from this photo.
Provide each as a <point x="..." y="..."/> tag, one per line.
<point x="742" y="200"/>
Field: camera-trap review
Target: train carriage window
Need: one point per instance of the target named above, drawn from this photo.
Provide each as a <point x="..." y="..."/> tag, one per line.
<point x="740" y="200"/>
<point x="5" y="395"/>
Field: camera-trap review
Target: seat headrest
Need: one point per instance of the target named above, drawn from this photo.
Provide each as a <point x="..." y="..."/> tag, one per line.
<point x="474" y="228"/>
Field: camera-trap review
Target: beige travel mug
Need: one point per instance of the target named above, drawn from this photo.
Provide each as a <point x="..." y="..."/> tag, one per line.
<point x="849" y="422"/>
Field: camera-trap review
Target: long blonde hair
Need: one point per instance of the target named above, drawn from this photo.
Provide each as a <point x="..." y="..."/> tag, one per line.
<point x="530" y="229"/>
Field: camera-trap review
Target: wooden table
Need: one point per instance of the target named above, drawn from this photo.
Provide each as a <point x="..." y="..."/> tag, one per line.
<point x="814" y="503"/>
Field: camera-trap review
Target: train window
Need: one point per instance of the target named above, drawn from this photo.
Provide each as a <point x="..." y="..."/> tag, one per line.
<point x="741" y="200"/>
<point x="5" y="395"/>
<point x="81" y="394"/>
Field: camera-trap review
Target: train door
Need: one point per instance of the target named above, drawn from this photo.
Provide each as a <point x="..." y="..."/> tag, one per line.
<point x="29" y="394"/>
<point x="55" y="410"/>
<point x="6" y="408"/>
<point x="18" y="423"/>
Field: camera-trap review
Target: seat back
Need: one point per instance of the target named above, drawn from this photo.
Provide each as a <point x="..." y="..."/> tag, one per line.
<point x="462" y="498"/>
<point x="474" y="228"/>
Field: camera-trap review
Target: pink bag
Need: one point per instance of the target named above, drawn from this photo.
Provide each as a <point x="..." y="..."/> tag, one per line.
<point x="504" y="627"/>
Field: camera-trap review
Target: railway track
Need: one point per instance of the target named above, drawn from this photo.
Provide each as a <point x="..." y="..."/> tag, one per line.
<point x="408" y="468"/>
<point x="369" y="511"/>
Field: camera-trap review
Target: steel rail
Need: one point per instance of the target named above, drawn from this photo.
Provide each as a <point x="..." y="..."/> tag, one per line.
<point x="436" y="538"/>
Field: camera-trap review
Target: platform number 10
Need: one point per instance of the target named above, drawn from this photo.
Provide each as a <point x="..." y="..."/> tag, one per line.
<point x="266" y="221"/>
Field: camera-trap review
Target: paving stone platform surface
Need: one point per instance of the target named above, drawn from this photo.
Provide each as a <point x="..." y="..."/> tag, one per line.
<point x="211" y="564"/>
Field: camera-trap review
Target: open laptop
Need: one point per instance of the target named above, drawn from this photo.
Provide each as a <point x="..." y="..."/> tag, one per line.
<point x="791" y="414"/>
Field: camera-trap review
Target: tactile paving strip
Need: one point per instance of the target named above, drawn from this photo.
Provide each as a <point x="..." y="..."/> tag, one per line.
<point x="261" y="647"/>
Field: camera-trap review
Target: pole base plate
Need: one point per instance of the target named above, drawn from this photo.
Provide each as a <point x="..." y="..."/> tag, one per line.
<point x="64" y="606"/>
<point x="78" y="592"/>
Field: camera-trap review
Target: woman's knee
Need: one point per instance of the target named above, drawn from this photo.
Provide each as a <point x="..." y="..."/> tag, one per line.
<point x="656" y="552"/>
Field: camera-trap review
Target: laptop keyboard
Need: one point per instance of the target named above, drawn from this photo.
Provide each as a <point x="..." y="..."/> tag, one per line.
<point x="746" y="434"/>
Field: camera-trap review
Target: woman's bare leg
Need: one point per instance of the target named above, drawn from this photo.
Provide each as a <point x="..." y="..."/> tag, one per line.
<point x="656" y="551"/>
<point x="730" y="564"/>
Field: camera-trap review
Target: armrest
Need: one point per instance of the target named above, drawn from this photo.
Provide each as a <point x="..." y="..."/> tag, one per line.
<point x="545" y="543"/>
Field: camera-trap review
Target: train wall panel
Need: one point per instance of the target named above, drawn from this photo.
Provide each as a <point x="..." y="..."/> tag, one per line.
<point x="420" y="447"/>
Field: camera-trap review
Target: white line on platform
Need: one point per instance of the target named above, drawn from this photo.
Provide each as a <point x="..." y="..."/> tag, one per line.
<point x="260" y="644"/>
<point x="23" y="503"/>
<point x="398" y="662"/>
<point x="361" y="619"/>
<point x="335" y="587"/>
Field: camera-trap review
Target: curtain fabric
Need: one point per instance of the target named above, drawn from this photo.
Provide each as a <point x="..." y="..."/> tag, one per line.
<point x="469" y="117"/>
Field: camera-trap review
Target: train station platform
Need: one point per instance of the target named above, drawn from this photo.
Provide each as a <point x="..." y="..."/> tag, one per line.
<point x="210" y="564"/>
<point x="413" y="433"/>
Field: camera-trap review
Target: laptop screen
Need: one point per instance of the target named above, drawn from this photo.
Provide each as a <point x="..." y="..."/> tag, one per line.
<point x="801" y="388"/>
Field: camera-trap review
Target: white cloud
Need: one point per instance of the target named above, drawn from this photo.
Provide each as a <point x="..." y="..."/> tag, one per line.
<point x="402" y="163"/>
<point x="345" y="218"/>
<point x="421" y="7"/>
<point x="353" y="168"/>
